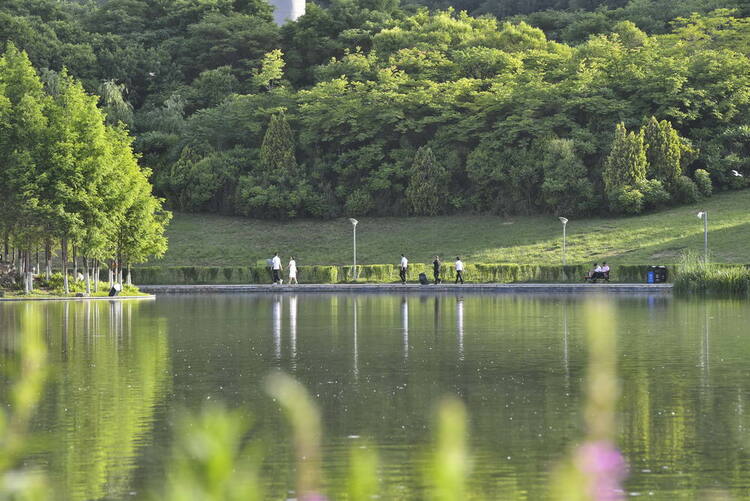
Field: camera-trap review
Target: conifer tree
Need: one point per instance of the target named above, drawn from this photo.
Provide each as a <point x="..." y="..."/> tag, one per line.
<point x="276" y="188"/>
<point x="426" y="181"/>
<point x="626" y="164"/>
<point x="663" y="152"/>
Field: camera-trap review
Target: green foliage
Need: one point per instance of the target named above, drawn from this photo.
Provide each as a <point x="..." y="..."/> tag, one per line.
<point x="210" y="459"/>
<point x="566" y="188"/>
<point x="365" y="83"/>
<point x="625" y="166"/>
<point x="70" y="177"/>
<point x="697" y="276"/>
<point x="277" y="187"/>
<point x="376" y="273"/>
<point x="271" y="70"/>
<point x="685" y="190"/>
<point x="703" y="182"/>
<point x="427" y="184"/>
<point x="626" y="200"/>
<point x="654" y="193"/>
<point x="663" y="151"/>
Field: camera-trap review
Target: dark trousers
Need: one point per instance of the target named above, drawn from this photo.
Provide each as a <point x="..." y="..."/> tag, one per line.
<point x="436" y="273"/>
<point x="276" y="276"/>
<point x="402" y="274"/>
<point x="459" y="276"/>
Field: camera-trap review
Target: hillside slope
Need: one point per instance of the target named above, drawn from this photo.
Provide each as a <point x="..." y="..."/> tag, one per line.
<point x="197" y="239"/>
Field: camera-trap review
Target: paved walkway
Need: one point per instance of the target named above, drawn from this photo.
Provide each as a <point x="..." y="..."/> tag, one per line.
<point x="410" y="288"/>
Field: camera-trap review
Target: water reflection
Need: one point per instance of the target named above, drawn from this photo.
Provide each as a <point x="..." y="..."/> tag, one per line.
<point x="98" y="409"/>
<point x="293" y="331"/>
<point x="460" y="327"/>
<point x="405" y="325"/>
<point x="682" y="369"/>
<point x="356" y="342"/>
<point x="276" y="326"/>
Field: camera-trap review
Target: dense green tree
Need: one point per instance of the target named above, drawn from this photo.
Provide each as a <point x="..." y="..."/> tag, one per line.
<point x="566" y="189"/>
<point x="276" y="186"/>
<point x="425" y="193"/>
<point x="66" y="174"/>
<point x="626" y="163"/>
<point x="365" y="83"/>
<point x="663" y="151"/>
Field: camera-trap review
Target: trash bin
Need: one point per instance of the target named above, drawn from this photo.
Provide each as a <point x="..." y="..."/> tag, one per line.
<point x="656" y="274"/>
<point x="660" y="274"/>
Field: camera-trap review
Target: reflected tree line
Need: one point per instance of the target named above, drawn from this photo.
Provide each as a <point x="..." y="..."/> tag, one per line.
<point x="106" y="376"/>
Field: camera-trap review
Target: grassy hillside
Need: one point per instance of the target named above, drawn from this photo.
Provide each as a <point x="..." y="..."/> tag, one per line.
<point x="654" y="238"/>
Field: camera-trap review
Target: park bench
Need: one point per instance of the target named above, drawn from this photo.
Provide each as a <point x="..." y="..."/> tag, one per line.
<point x="593" y="277"/>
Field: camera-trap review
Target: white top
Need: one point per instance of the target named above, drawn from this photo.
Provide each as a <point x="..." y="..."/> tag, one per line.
<point x="276" y="263"/>
<point x="292" y="268"/>
<point x="459" y="265"/>
<point x="598" y="269"/>
<point x="404" y="262"/>
<point x="605" y="268"/>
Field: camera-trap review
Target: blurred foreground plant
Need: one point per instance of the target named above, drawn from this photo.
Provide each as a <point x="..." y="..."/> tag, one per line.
<point x="596" y="469"/>
<point x="209" y="460"/>
<point x="304" y="417"/>
<point x="28" y="372"/>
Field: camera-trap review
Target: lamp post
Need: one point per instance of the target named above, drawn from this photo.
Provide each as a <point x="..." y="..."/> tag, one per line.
<point x="354" y="228"/>
<point x="564" y="222"/>
<point x="704" y="215"/>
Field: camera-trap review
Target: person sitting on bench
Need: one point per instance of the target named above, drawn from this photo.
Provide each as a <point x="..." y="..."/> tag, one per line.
<point x="605" y="271"/>
<point x="595" y="273"/>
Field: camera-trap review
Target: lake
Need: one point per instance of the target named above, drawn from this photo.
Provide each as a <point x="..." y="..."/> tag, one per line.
<point x="377" y="365"/>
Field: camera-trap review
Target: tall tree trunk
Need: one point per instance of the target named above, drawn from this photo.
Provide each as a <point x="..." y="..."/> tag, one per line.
<point x="75" y="263"/>
<point x="6" y="245"/>
<point x="48" y="258"/>
<point x="96" y="275"/>
<point x="37" y="270"/>
<point x="110" y="272"/>
<point x="88" y="275"/>
<point x="130" y="282"/>
<point x="28" y="284"/>
<point x="64" y="256"/>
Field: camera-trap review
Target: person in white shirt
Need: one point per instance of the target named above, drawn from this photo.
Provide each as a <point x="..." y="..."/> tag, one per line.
<point x="402" y="269"/>
<point x="293" y="270"/>
<point x="459" y="270"/>
<point x="276" y="268"/>
<point x="605" y="271"/>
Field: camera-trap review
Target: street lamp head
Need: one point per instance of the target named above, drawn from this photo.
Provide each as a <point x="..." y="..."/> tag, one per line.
<point x="736" y="174"/>
<point x="353" y="221"/>
<point x="701" y="214"/>
<point x="563" y="220"/>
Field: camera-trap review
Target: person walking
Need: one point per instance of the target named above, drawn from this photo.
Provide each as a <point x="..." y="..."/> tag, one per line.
<point x="403" y="268"/>
<point x="459" y="270"/>
<point x="276" y="268"/>
<point x="293" y="271"/>
<point x="436" y="266"/>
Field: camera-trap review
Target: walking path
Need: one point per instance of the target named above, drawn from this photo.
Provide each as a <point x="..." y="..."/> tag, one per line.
<point x="409" y="288"/>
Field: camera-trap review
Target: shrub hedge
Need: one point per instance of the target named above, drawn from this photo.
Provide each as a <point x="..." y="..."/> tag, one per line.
<point x="378" y="273"/>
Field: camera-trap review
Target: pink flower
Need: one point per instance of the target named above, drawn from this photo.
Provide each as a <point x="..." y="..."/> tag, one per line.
<point x="605" y="469"/>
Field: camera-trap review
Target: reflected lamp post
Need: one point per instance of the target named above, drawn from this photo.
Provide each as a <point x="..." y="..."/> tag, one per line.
<point x="564" y="222"/>
<point x="354" y="228"/>
<point x="704" y="215"/>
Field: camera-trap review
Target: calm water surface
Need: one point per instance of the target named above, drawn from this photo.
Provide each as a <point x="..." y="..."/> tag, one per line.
<point x="377" y="365"/>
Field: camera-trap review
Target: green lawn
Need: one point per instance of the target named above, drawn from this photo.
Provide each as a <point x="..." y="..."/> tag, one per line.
<point x="199" y="239"/>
